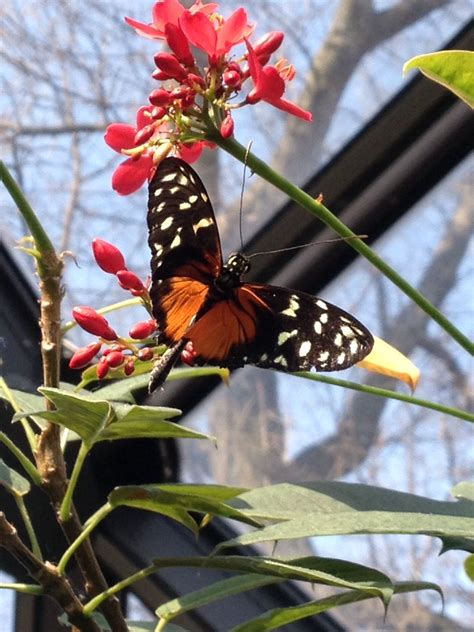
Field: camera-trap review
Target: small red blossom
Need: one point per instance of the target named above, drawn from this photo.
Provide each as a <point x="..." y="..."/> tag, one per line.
<point x="130" y="281"/>
<point x="215" y="36"/>
<point x="142" y="329"/>
<point x="170" y="65"/>
<point x="108" y="257"/>
<point x="102" y="368"/>
<point x="94" y="323"/>
<point x="167" y="12"/>
<point x="179" y="44"/>
<point x="114" y="358"/>
<point x="269" y="87"/>
<point x="145" y="354"/>
<point x="83" y="356"/>
<point x="129" y="367"/>
<point x="227" y="126"/>
<point x="188" y="355"/>
<point x="267" y="45"/>
<point x="232" y="79"/>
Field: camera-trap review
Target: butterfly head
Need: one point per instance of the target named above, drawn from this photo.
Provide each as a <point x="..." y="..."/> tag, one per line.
<point x="231" y="273"/>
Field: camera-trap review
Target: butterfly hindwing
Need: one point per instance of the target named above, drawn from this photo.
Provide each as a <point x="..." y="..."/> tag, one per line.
<point x="273" y="327"/>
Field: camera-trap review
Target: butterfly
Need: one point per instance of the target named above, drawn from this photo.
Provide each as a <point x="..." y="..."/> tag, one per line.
<point x="197" y="298"/>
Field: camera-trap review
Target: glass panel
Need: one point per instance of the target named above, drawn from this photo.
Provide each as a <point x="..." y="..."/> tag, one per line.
<point x="7" y="604"/>
<point x="273" y="427"/>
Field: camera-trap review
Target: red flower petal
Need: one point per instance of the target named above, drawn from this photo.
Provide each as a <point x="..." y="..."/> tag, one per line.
<point x="199" y="31"/>
<point x="129" y="176"/>
<point x="292" y="108"/>
<point x="120" y="136"/>
<point x="165" y="12"/>
<point x="147" y="30"/>
<point x="232" y="31"/>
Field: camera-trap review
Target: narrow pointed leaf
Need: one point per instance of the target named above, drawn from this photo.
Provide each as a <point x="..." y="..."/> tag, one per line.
<point x="333" y="508"/>
<point x="464" y="490"/>
<point x="279" y="617"/>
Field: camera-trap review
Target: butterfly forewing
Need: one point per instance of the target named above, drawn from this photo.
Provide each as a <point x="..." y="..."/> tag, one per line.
<point x="183" y="236"/>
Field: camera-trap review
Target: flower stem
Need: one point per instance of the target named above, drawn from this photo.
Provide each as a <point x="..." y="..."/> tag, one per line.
<point x="319" y="210"/>
<point x="90" y="525"/>
<point x="104" y="310"/>
<point x="35" y="547"/>
<point x="384" y="392"/>
<point x="65" y="510"/>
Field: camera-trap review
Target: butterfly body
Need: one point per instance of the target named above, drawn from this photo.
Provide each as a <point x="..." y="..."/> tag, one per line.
<point x="230" y="323"/>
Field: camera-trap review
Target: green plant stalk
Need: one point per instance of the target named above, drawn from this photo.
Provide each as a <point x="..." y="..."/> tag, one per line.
<point x="29" y="432"/>
<point x="29" y="589"/>
<point x="42" y="241"/>
<point x="65" y="509"/>
<point x="28" y="466"/>
<point x="89" y="526"/>
<point x="385" y="392"/>
<point x="321" y="212"/>
<point x="35" y="547"/>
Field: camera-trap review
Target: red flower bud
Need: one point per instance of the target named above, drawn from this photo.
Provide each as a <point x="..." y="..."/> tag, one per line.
<point x="232" y="78"/>
<point x="142" y="136"/>
<point x="160" y="97"/>
<point x="129" y="281"/>
<point x="193" y="78"/>
<point x="267" y="45"/>
<point x="108" y="257"/>
<point x="114" y="347"/>
<point x="158" y="113"/>
<point x="159" y="75"/>
<point x="179" y="44"/>
<point x="114" y="358"/>
<point x="102" y="368"/>
<point x="188" y="355"/>
<point x="145" y="354"/>
<point x="94" y="323"/>
<point x="227" y="126"/>
<point x="142" y="329"/>
<point x="129" y="367"/>
<point x="82" y="357"/>
<point x="170" y="65"/>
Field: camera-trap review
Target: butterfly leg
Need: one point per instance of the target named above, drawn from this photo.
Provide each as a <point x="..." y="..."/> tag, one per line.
<point x="163" y="365"/>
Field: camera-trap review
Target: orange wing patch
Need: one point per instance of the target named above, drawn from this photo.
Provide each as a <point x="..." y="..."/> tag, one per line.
<point x="180" y="299"/>
<point x="229" y="324"/>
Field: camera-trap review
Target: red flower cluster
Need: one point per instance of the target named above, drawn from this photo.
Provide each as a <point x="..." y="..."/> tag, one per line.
<point x="193" y="101"/>
<point x="119" y="353"/>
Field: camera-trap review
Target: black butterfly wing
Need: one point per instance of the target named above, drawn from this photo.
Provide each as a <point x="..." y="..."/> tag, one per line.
<point x="273" y="327"/>
<point x="185" y="247"/>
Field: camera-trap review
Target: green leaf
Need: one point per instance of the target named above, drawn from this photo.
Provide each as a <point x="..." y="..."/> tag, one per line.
<point x="176" y="501"/>
<point x="320" y="570"/>
<point x="278" y="617"/>
<point x="97" y="420"/>
<point x="13" y="482"/>
<point x="453" y="69"/>
<point x="28" y="403"/>
<point x="469" y="567"/>
<point x="465" y="490"/>
<point x="334" y="508"/>
<point x="214" y="592"/>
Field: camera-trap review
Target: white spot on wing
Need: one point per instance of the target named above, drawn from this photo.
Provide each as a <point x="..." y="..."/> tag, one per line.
<point x="182" y="179"/>
<point x="318" y="328"/>
<point x="158" y="192"/>
<point x="324" y="355"/>
<point x="348" y="332"/>
<point x="204" y="196"/>
<point x="285" y="335"/>
<point x="354" y="346"/>
<point x="281" y="360"/>
<point x="166" y="223"/>
<point x="203" y="223"/>
<point x="169" y="177"/>
<point x="293" y="307"/>
<point x="184" y="206"/>
<point x="321" y="304"/>
<point x="324" y="318"/>
<point x="304" y="349"/>
<point x="338" y="340"/>
<point x="341" y="357"/>
<point x="193" y="198"/>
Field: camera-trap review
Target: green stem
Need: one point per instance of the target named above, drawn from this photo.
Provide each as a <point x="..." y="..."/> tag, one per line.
<point x="384" y="392"/>
<point x="30" y="434"/>
<point x="28" y="466"/>
<point x="29" y="589"/>
<point x="65" y="510"/>
<point x="40" y="236"/>
<point x="90" y="525"/>
<point x="320" y="211"/>
<point x="35" y="547"/>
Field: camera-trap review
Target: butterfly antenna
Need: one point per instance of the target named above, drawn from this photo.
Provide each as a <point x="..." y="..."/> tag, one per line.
<point x="249" y="146"/>
<point x="311" y="243"/>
